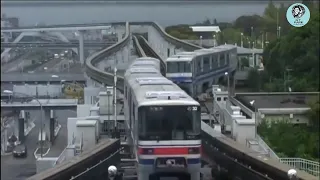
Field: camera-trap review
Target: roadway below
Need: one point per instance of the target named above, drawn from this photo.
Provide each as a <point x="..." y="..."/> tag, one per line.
<point x="13" y="64"/>
<point x="22" y="168"/>
<point x="54" y="44"/>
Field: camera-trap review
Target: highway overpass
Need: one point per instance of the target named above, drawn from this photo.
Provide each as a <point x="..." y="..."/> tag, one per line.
<point x="54" y="45"/>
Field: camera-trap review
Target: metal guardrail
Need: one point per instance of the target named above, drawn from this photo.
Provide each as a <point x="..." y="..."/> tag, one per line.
<point x="311" y="167"/>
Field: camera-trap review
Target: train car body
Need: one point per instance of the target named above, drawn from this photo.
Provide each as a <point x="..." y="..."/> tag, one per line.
<point x="196" y="71"/>
<point x="163" y="125"/>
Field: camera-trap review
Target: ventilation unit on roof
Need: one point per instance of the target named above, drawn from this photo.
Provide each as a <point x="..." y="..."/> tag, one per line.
<point x="166" y="94"/>
<point x="143" y="62"/>
<point x="142" y="70"/>
<point x="153" y="81"/>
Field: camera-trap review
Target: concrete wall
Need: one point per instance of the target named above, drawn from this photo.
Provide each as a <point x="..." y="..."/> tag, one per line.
<point x="83" y="110"/>
<point x="38" y="90"/>
<point x="91" y="95"/>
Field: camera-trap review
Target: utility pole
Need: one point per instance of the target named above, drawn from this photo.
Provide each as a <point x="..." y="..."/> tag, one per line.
<point x="277" y="23"/>
<point x="262" y="42"/>
<point x="115" y="102"/>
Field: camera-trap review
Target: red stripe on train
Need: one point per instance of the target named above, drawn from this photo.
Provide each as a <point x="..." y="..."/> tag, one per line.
<point x="169" y="151"/>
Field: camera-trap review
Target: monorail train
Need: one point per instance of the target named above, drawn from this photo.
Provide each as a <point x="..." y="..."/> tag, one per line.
<point x="163" y="124"/>
<point x="196" y="71"/>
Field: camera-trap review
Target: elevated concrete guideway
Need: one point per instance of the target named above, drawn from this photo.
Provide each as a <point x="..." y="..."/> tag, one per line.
<point x="55" y="45"/>
<point x="41" y="77"/>
<point x="52" y="104"/>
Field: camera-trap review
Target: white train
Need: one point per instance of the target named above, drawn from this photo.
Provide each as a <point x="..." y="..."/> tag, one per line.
<point x="163" y="123"/>
<point x="196" y="71"/>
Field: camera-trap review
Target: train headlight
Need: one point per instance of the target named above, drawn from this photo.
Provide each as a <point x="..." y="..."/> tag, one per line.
<point x="194" y="150"/>
<point x="146" y="151"/>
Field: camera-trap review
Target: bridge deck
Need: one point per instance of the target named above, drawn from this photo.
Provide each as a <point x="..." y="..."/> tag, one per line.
<point x="46" y="103"/>
<point x="37" y="77"/>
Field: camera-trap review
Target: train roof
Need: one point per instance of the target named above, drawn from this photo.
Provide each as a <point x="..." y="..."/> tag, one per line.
<point x="145" y="62"/>
<point x="156" y="90"/>
<point x="188" y="56"/>
<point x="180" y="58"/>
<point x="138" y="71"/>
<point x="151" y="88"/>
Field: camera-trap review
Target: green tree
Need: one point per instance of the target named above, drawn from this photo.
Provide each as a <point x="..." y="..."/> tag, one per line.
<point x="299" y="50"/>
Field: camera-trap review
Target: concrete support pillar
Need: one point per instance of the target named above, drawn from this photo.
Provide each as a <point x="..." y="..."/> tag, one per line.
<point x="126" y="54"/>
<point x="4" y="140"/>
<point x="81" y="46"/>
<point x="118" y="58"/>
<point x="52" y="126"/>
<point x="233" y="85"/>
<point x="119" y="36"/>
<point x="21" y="126"/>
<point x="6" y="37"/>
<point x="16" y="124"/>
<point x="46" y="124"/>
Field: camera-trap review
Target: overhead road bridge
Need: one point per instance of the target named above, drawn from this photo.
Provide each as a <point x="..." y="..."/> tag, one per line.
<point x="59" y="26"/>
<point x="54" y="45"/>
<point x="55" y="28"/>
<point x="51" y="104"/>
<point x="223" y="150"/>
<point x="40" y="78"/>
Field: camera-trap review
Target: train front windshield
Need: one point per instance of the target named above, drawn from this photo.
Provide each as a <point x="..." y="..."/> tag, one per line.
<point x="169" y="123"/>
<point x="179" y="67"/>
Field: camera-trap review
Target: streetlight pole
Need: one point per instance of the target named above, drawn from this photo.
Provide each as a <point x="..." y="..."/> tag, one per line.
<point x="41" y="111"/>
<point x="115" y="102"/>
<point x="201" y="41"/>
<point x="227" y="75"/>
<point x="241" y="39"/>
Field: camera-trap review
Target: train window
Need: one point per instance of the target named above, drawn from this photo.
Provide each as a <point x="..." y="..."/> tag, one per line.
<point x="227" y="59"/>
<point x="168" y="52"/>
<point x="170" y="122"/>
<point x="218" y="98"/>
<point x="206" y="63"/>
<point x="178" y="67"/>
<point x="225" y="99"/>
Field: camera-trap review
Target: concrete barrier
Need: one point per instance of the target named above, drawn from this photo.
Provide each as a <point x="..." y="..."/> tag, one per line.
<point x="79" y="164"/>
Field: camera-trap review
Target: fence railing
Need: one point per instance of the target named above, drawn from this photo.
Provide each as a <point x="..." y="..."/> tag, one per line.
<point x="265" y="146"/>
<point x="311" y="167"/>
